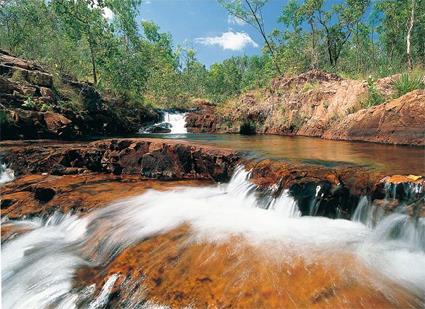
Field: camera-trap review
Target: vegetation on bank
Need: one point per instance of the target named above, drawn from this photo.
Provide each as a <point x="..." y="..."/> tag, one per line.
<point x="102" y="41"/>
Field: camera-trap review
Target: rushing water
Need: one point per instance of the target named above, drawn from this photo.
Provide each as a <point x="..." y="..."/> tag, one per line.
<point x="38" y="267"/>
<point x="6" y="174"/>
<point x="174" y="121"/>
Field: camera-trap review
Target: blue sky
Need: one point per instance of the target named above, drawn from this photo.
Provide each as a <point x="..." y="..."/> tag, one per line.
<point x="206" y="26"/>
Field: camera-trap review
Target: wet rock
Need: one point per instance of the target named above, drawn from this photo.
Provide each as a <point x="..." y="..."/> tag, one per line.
<point x="149" y="158"/>
<point x="159" y="128"/>
<point x="44" y="194"/>
<point x="5" y="203"/>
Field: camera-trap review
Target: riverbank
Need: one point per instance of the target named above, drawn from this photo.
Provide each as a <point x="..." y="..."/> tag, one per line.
<point x="37" y="104"/>
<point x="319" y="104"/>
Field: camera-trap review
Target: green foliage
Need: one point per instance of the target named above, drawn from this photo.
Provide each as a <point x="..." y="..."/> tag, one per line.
<point x="138" y="62"/>
<point x="29" y="103"/>
<point x="44" y="108"/>
<point x="407" y="83"/>
<point x="374" y="97"/>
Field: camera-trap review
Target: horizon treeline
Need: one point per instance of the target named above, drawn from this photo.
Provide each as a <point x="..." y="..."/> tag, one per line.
<point x="103" y="42"/>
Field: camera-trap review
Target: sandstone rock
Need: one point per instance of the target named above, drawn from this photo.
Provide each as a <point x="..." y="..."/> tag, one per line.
<point x="148" y="158"/>
<point x="92" y="114"/>
<point x="34" y="124"/>
<point x="46" y="92"/>
<point x="57" y="124"/>
<point x="400" y="121"/>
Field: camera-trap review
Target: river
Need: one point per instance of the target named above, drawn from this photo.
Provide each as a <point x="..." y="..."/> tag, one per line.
<point x="226" y="245"/>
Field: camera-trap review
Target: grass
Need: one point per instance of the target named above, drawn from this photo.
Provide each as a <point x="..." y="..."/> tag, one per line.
<point x="407" y="83"/>
<point x="374" y="96"/>
<point x="309" y="86"/>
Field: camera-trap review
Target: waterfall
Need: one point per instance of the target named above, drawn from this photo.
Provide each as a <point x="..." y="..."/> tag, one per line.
<point x="173" y="123"/>
<point x="38" y="266"/>
<point x="177" y="121"/>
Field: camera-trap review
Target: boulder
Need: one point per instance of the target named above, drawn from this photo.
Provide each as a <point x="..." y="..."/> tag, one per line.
<point x="400" y="121"/>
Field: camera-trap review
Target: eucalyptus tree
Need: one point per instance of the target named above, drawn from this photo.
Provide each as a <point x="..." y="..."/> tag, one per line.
<point x="250" y="11"/>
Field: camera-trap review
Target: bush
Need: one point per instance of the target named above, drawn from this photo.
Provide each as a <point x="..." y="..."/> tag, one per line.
<point x="374" y="97"/>
<point x="29" y="104"/>
<point x="408" y="83"/>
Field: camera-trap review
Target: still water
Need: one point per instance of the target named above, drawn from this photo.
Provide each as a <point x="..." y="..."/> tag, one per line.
<point x="387" y="158"/>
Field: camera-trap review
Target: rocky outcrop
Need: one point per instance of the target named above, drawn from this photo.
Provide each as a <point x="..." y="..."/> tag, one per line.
<point x="336" y="192"/>
<point x="204" y="119"/>
<point x="339" y="188"/>
<point x="148" y="158"/>
<point x="318" y="104"/>
<point x="400" y="121"/>
<point x="306" y="104"/>
<point x="34" y="104"/>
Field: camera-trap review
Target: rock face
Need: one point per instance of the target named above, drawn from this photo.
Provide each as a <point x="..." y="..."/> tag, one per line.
<point x="400" y="121"/>
<point x="149" y="158"/>
<point x="33" y="104"/>
<point x="204" y="119"/>
<point x="321" y="105"/>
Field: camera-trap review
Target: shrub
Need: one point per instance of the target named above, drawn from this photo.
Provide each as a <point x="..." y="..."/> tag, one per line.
<point x="374" y="97"/>
<point x="408" y="83"/>
<point x="29" y="104"/>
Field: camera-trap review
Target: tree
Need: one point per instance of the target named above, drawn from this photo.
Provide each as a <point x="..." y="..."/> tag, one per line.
<point x="346" y="16"/>
<point x="83" y="20"/>
<point x="409" y="36"/>
<point x="250" y="11"/>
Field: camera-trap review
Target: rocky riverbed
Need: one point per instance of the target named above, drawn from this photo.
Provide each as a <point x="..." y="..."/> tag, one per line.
<point x="154" y="222"/>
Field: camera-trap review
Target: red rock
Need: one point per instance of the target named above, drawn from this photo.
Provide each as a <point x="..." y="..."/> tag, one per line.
<point x="400" y="121"/>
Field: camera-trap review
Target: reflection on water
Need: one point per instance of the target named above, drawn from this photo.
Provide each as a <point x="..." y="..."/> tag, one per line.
<point x="388" y="158"/>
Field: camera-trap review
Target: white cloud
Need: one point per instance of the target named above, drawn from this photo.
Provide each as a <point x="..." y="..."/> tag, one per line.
<point x="233" y="20"/>
<point x="229" y="40"/>
<point x="107" y="13"/>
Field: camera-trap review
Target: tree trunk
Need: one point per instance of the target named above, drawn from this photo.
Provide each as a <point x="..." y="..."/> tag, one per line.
<point x="314" y="61"/>
<point x="263" y="34"/>
<point x="409" y="37"/>
<point x="93" y="62"/>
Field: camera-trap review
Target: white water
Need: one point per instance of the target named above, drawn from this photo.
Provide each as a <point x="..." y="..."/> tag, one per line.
<point x="37" y="267"/>
<point x="176" y="120"/>
<point x="6" y="174"/>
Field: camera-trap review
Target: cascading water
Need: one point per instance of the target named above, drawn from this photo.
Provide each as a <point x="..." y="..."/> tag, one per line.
<point x="6" y="174"/>
<point x="38" y="266"/>
<point x="173" y="123"/>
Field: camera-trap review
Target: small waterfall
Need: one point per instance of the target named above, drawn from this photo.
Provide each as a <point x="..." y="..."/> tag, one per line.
<point x="177" y="121"/>
<point x="6" y="174"/>
<point x="285" y="205"/>
<point x="38" y="266"/>
<point x="367" y="213"/>
<point x="173" y="123"/>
